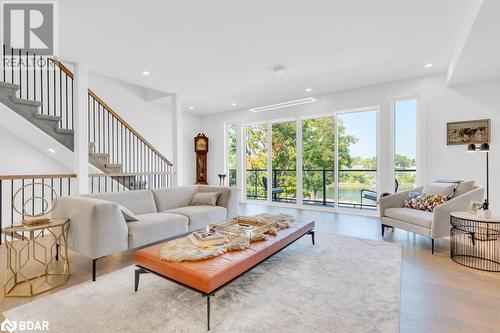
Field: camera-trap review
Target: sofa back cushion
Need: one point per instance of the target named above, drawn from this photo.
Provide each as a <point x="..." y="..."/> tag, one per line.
<point x="225" y="193"/>
<point x="174" y="197"/>
<point x="139" y="202"/>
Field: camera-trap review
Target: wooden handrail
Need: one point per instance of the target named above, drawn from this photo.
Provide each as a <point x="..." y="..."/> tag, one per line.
<point x="108" y="108"/>
<point x="127" y="125"/>
<point x="45" y="176"/>
<point x="63" y="68"/>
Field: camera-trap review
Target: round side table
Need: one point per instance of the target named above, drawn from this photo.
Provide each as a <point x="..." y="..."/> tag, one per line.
<point x="475" y="241"/>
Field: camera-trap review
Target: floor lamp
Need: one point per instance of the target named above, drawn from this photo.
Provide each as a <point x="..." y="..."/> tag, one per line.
<point x="483" y="148"/>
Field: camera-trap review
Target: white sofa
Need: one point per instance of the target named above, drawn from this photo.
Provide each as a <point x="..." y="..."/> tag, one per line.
<point x="434" y="224"/>
<point x="98" y="227"/>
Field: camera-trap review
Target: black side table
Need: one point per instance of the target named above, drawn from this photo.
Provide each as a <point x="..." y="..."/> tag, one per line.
<point x="475" y="241"/>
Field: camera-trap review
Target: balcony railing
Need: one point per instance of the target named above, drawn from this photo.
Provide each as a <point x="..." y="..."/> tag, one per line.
<point x="320" y="185"/>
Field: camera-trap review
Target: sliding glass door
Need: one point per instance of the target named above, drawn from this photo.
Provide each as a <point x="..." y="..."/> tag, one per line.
<point x="338" y="156"/>
<point x="284" y="157"/>
<point x="318" y="156"/>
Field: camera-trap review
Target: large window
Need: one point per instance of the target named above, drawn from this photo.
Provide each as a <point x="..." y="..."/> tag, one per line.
<point x="357" y="159"/>
<point x="284" y="173"/>
<point x="405" y="143"/>
<point x="231" y="138"/>
<point x="318" y="137"/>
<point x="256" y="137"/>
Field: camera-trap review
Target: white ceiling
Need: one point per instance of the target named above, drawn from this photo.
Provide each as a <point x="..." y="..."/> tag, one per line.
<point x="217" y="52"/>
<point x="479" y="59"/>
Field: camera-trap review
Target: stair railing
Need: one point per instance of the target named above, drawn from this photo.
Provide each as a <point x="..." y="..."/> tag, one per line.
<point x="41" y="79"/>
<point x="51" y="83"/>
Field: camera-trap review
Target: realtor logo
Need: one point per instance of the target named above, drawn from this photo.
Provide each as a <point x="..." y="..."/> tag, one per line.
<point x="29" y="27"/>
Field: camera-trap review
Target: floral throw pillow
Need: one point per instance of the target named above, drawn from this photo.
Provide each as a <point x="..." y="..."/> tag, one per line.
<point x="424" y="201"/>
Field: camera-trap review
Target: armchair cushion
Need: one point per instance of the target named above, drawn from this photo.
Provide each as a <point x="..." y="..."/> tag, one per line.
<point x="424" y="201"/>
<point x="413" y="216"/>
<point x="464" y="187"/>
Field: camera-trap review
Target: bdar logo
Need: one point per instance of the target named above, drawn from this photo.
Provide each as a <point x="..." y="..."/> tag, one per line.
<point x="8" y="326"/>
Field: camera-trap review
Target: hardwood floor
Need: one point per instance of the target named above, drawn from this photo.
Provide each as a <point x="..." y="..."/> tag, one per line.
<point x="437" y="294"/>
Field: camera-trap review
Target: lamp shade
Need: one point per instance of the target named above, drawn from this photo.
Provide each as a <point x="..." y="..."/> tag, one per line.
<point x="484" y="147"/>
<point x="471" y="148"/>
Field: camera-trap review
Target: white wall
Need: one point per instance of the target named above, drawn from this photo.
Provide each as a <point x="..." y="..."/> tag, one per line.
<point x="438" y="104"/>
<point x="192" y="125"/>
<point x="152" y="119"/>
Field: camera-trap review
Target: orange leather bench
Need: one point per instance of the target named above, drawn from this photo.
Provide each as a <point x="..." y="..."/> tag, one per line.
<point x="209" y="275"/>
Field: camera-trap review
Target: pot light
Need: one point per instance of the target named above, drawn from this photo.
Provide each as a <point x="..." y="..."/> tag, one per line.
<point x="308" y="89"/>
<point x="191" y="108"/>
<point x="284" y="104"/>
<point x="52" y="150"/>
<point x="145" y="73"/>
<point x="428" y="65"/>
<point x="234" y="104"/>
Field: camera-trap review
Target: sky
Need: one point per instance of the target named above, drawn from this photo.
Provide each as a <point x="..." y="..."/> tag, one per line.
<point x="363" y="125"/>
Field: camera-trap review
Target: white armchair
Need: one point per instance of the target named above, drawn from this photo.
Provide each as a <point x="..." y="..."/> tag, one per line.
<point x="434" y="224"/>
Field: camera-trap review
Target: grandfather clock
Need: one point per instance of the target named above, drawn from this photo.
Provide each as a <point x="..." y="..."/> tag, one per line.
<point x="201" y="150"/>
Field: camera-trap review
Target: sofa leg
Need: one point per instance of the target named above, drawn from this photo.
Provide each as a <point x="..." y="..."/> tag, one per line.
<point x="383" y="229"/>
<point x="432" y="241"/>
<point x="93" y="268"/>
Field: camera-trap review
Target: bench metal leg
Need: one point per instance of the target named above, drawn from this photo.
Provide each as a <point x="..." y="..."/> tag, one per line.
<point x="93" y="268"/>
<point x="208" y="312"/>
<point x="138" y="273"/>
<point x="312" y="236"/>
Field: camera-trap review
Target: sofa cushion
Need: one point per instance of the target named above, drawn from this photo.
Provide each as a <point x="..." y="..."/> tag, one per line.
<point x="205" y="199"/>
<point x="174" y="197"/>
<point x="139" y="202"/>
<point x="414" y="216"/>
<point x="225" y="193"/>
<point x="155" y="227"/>
<point x="201" y="216"/>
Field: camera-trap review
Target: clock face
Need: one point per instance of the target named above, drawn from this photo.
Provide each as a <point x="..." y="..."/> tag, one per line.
<point x="201" y="145"/>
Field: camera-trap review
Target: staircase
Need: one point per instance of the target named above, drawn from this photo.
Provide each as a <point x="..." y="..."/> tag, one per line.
<point x="45" y="99"/>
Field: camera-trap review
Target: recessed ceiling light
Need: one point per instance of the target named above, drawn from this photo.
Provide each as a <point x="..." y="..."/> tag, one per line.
<point x="191" y="108"/>
<point x="284" y="104"/>
<point x="308" y="89"/>
<point x="234" y="104"/>
<point x="52" y="150"/>
<point x="428" y="65"/>
<point x="145" y="73"/>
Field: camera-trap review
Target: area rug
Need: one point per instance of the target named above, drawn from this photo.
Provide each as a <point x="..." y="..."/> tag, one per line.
<point x="341" y="284"/>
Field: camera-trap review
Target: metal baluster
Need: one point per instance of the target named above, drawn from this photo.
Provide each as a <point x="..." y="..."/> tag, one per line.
<point x="12" y="67"/>
<point x="4" y="79"/>
<point x="41" y="82"/>
<point x="72" y="104"/>
<point x="60" y="94"/>
<point x="20" y="76"/>
<point x="12" y="202"/>
<point x="1" y="185"/>
<point x="66" y="91"/>
<point x="27" y="78"/>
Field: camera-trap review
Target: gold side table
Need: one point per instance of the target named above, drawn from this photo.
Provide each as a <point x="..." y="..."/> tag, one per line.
<point x="37" y="258"/>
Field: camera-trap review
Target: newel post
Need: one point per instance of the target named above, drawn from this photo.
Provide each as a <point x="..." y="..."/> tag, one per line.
<point x="81" y="151"/>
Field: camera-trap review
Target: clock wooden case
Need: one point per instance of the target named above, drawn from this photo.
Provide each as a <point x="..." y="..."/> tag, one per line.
<point x="201" y="150"/>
